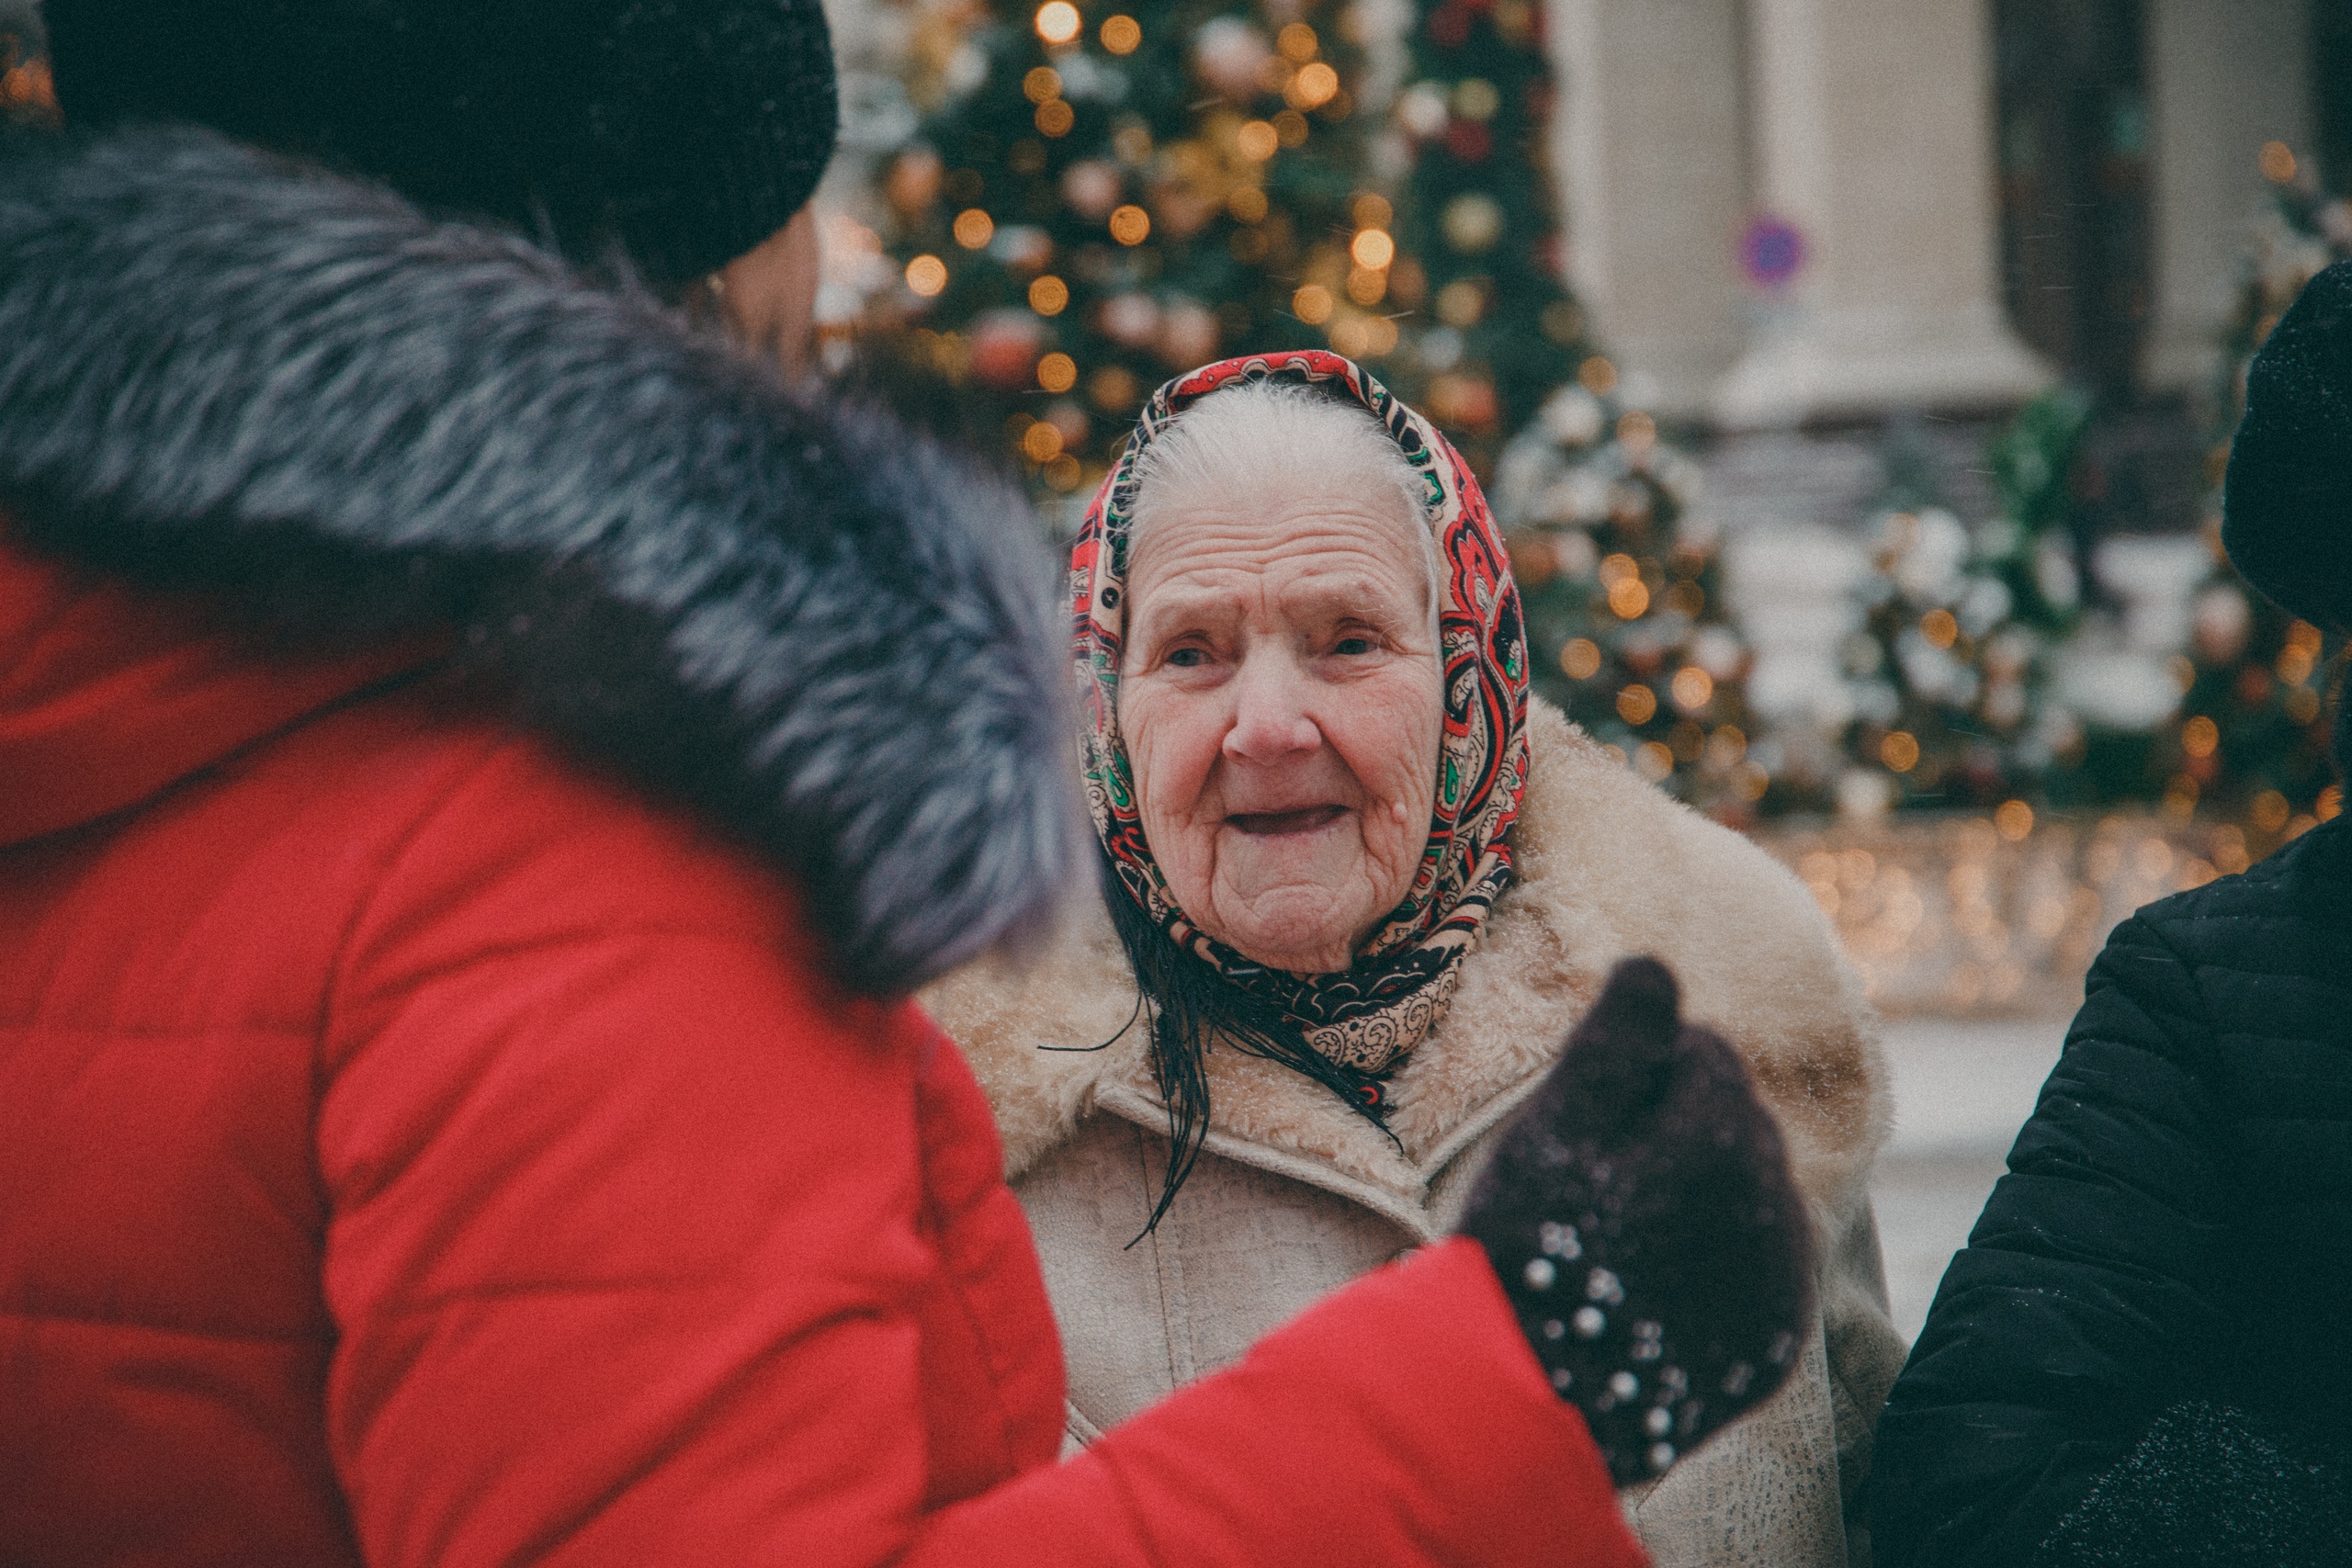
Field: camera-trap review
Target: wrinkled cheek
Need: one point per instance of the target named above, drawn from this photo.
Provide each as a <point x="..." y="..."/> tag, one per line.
<point x="1168" y="788"/>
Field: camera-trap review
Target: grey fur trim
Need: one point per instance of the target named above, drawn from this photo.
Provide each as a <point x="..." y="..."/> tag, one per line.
<point x="222" y="371"/>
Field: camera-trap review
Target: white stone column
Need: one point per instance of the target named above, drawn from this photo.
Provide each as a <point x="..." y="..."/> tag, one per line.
<point x="1647" y="148"/>
<point x="2222" y="80"/>
<point x="1873" y="133"/>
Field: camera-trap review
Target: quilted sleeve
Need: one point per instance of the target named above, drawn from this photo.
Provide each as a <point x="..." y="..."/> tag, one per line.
<point x="2051" y="1343"/>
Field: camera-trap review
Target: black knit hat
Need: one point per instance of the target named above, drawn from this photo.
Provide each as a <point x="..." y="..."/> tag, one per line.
<point x="684" y="131"/>
<point x="2287" y="513"/>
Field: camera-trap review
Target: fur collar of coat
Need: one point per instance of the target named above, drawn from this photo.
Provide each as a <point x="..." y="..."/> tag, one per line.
<point x="1609" y="867"/>
<point x="226" y="372"/>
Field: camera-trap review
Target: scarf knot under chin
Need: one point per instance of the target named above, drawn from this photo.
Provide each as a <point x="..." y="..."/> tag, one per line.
<point x="1363" y="1018"/>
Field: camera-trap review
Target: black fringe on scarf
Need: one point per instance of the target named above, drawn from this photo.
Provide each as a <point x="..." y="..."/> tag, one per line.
<point x="1190" y="1004"/>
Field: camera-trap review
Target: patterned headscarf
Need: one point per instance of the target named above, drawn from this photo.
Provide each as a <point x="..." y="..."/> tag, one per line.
<point x="1361" y="1019"/>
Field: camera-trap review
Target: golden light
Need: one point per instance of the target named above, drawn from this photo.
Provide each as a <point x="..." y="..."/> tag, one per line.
<point x="1940" y="628"/>
<point x="1580" y="659"/>
<point x="1297" y="42"/>
<point x="1628" y="599"/>
<point x="1352" y="337"/>
<point x="927" y="274"/>
<point x="2270" y="811"/>
<point x="1130" y="224"/>
<point x="1290" y="127"/>
<point x="1636" y="704"/>
<point x="2294" y="665"/>
<point x="1694" y="688"/>
<point x="1461" y="302"/>
<point x="1114" y="387"/>
<point x="1753" y="780"/>
<point x="1653" y="761"/>
<point x="1476" y="98"/>
<point x="1616" y="568"/>
<point x="1312" y="304"/>
<point x="2277" y="160"/>
<point x="1255" y="141"/>
<point x="1055" y="117"/>
<point x="2014" y="819"/>
<point x="1373" y="248"/>
<point x="1314" y="88"/>
<point x="1365" y="287"/>
<point x="1371" y="210"/>
<point x="1063" y="472"/>
<point x="1057" y="21"/>
<point x="1686" y="596"/>
<point x="1637" y="431"/>
<point x="2330" y="805"/>
<point x="1042" y="85"/>
<point x="1597" y="376"/>
<point x="1384" y="336"/>
<point x="2302" y="704"/>
<point x="1121" y="34"/>
<point x="1048" y="296"/>
<point x="1248" y="204"/>
<point x="1900" y="751"/>
<point x="1057" y="372"/>
<point x="974" y="228"/>
<point x="2199" y="736"/>
<point x="1042" y="442"/>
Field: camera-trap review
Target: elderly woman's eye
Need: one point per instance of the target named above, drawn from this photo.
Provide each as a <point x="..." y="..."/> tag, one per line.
<point x="1187" y="659"/>
<point x="1353" y="645"/>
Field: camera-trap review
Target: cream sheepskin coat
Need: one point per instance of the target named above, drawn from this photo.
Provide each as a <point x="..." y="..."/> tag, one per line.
<point x="1295" y="1194"/>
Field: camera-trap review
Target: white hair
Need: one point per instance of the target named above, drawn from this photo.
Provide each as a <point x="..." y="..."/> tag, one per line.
<point x="1255" y="439"/>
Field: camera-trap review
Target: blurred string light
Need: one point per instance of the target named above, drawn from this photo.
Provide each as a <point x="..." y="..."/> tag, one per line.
<point x="1057" y="22"/>
<point x="1121" y="34"/>
<point x="2005" y="911"/>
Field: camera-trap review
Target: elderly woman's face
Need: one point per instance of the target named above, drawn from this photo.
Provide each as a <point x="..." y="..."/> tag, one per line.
<point x="1282" y="702"/>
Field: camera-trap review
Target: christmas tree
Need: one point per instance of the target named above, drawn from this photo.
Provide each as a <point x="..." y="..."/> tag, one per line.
<point x="1949" y="672"/>
<point x="1623" y="599"/>
<point x="1097" y="201"/>
<point x="2251" y="739"/>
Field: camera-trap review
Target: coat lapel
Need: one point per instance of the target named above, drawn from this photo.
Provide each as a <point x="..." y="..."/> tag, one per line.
<point x="1609" y="867"/>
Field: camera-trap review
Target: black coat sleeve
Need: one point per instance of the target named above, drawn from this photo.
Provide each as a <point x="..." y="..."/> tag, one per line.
<point x="2055" y="1336"/>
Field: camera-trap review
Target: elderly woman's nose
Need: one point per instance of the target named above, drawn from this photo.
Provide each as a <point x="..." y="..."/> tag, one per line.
<point x="1270" y="719"/>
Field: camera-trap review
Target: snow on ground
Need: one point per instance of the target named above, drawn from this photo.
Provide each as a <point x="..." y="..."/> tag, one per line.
<point x="1962" y="1090"/>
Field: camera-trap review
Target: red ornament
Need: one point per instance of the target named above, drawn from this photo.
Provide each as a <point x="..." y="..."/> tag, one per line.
<point x="1005" y="344"/>
<point x="1450" y="25"/>
<point x="1469" y="140"/>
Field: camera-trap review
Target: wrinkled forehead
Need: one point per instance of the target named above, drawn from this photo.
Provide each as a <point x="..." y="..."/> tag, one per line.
<point x="1261" y="480"/>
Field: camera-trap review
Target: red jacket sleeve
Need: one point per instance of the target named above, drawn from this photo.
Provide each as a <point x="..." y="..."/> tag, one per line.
<point x="626" y="1253"/>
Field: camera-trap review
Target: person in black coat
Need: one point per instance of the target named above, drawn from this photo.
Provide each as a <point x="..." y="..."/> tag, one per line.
<point x="2143" y="1355"/>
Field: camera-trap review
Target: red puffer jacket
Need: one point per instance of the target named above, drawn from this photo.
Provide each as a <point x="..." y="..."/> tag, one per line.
<point x="450" y="1109"/>
<point x="417" y="1152"/>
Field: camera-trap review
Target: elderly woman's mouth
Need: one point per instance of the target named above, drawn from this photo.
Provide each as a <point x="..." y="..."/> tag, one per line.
<point x="1279" y="824"/>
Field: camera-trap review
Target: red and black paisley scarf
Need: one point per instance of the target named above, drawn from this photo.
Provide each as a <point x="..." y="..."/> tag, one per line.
<point x="1366" y="1016"/>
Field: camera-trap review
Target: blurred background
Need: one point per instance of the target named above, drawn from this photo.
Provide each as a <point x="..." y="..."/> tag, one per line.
<point x="1855" y="380"/>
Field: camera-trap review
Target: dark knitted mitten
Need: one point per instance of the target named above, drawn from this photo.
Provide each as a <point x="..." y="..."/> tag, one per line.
<point x="1640" y="1213"/>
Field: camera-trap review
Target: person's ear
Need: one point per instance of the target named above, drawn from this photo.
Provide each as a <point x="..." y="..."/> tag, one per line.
<point x="768" y="296"/>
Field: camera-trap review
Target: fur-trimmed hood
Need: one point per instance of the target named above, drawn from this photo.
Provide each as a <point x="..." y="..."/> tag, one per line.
<point x="1609" y="867"/>
<point x="226" y="372"/>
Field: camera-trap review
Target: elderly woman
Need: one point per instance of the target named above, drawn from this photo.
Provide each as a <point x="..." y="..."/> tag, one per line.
<point x="1361" y="886"/>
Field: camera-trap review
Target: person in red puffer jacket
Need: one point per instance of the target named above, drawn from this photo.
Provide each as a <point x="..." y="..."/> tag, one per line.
<point x="482" y="765"/>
